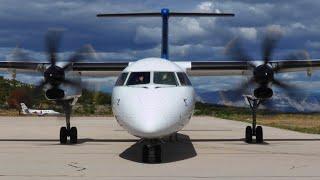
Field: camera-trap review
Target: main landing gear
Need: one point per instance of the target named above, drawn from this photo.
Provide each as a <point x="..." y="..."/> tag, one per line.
<point x="253" y="130"/>
<point x="151" y="151"/>
<point x="68" y="131"/>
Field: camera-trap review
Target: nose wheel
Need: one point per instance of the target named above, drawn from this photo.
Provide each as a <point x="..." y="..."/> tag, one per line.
<point x="151" y="152"/>
<point x="71" y="133"/>
<point x="258" y="134"/>
<point x="253" y="130"/>
<point x="68" y="131"/>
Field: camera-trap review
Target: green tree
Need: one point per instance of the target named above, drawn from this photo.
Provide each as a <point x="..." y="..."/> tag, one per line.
<point x="17" y="96"/>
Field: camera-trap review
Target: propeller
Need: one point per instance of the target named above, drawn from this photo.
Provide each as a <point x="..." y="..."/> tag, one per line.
<point x="262" y="74"/>
<point x="55" y="73"/>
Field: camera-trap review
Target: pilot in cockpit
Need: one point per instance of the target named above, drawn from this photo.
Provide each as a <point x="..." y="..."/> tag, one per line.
<point x="164" y="77"/>
<point x="141" y="79"/>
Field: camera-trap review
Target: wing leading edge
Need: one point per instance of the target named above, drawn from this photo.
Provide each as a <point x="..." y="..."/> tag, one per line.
<point x="225" y="68"/>
<point x="94" y="69"/>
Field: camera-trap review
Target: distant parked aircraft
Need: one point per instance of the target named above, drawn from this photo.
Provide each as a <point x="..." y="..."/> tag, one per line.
<point x="38" y="112"/>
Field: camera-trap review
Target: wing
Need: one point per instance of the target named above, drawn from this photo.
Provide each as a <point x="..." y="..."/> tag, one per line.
<point x="225" y="68"/>
<point x="100" y="69"/>
<point x="214" y="68"/>
<point x="193" y="68"/>
<point x="94" y="69"/>
<point x="296" y="65"/>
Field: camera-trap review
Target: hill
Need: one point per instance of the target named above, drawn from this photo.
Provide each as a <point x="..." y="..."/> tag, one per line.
<point x="295" y="102"/>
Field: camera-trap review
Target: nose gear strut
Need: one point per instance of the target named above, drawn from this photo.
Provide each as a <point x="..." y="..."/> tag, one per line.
<point x="253" y="130"/>
<point x="68" y="131"/>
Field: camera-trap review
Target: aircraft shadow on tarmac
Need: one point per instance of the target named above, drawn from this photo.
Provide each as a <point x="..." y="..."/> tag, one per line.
<point x="171" y="151"/>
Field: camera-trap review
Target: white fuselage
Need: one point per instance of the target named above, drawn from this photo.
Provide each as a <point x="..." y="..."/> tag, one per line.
<point x="152" y="110"/>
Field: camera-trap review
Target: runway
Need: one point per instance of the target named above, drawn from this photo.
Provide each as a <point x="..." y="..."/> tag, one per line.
<point x="209" y="148"/>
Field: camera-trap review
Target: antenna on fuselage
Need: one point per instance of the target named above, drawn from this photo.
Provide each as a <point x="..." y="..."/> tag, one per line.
<point x="165" y="14"/>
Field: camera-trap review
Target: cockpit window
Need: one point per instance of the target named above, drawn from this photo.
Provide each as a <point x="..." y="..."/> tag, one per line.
<point x="137" y="78"/>
<point x="183" y="78"/>
<point x="122" y="79"/>
<point x="167" y="78"/>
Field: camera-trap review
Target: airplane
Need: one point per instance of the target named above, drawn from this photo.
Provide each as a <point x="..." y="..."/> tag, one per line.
<point x="153" y="97"/>
<point x="38" y="112"/>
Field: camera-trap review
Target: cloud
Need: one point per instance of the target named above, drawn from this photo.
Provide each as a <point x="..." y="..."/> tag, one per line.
<point x="145" y="35"/>
<point x="248" y="33"/>
<point x="123" y="39"/>
<point x="28" y="23"/>
<point x="313" y="44"/>
<point x="208" y="6"/>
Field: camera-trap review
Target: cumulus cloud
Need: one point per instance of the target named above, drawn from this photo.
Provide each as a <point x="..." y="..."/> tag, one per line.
<point x="208" y="6"/>
<point x="145" y="35"/>
<point x="248" y="33"/>
<point x="25" y="23"/>
<point x="186" y="31"/>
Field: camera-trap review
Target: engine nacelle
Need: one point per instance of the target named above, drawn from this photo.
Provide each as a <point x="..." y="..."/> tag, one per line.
<point x="263" y="93"/>
<point x="55" y="93"/>
<point x="63" y="93"/>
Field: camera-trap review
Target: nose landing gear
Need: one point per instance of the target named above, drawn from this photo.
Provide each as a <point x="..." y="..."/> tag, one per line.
<point x="253" y="130"/>
<point x="65" y="133"/>
<point x="68" y="131"/>
<point x="151" y="151"/>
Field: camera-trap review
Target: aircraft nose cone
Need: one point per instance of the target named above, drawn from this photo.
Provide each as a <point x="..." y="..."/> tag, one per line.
<point x="154" y="112"/>
<point x="153" y="124"/>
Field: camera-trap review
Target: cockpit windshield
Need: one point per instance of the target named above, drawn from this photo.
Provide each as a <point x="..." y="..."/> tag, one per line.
<point x="137" y="78"/>
<point x="122" y="79"/>
<point x="167" y="78"/>
<point x="184" y="80"/>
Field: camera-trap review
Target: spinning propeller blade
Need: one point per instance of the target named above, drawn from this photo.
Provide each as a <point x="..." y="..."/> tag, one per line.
<point x="262" y="75"/>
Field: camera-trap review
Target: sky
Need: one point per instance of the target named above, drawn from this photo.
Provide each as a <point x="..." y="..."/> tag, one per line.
<point x="25" y="23"/>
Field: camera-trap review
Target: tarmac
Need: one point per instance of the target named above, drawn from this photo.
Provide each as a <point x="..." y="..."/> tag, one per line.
<point x="208" y="148"/>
